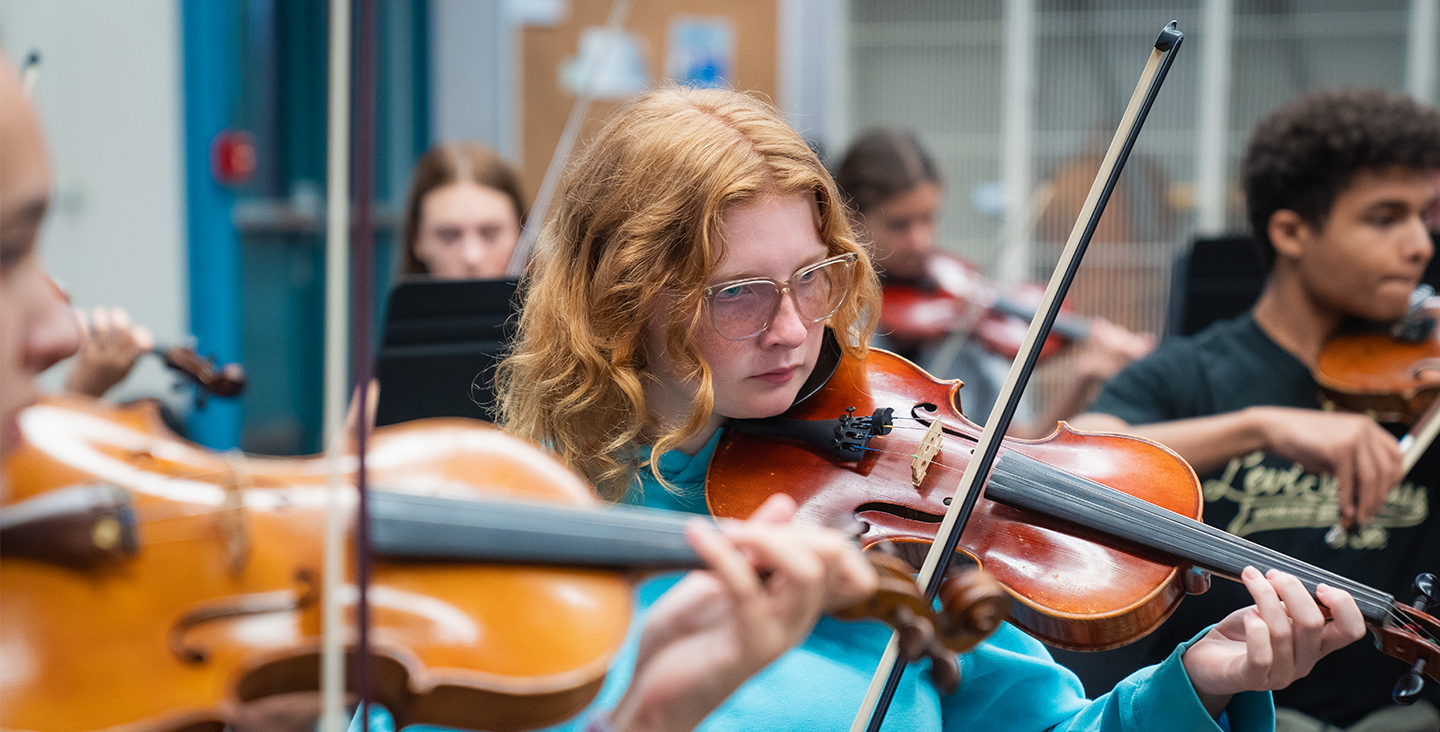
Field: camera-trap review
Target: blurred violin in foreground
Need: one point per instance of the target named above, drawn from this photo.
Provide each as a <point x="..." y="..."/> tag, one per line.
<point x="152" y="584"/>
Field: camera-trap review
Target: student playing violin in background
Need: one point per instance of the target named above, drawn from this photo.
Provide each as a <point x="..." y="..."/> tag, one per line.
<point x="1337" y="186"/>
<point x="893" y="187"/>
<point x="696" y="258"/>
<point x="716" y="629"/>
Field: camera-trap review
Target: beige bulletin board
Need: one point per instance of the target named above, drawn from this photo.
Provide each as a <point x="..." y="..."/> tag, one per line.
<point x="547" y="104"/>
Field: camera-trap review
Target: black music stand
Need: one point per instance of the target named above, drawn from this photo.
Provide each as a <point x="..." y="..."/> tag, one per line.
<point x="442" y="341"/>
<point x="1221" y="277"/>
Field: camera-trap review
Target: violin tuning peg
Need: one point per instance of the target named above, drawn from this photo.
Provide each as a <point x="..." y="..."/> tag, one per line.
<point x="916" y="635"/>
<point x="1427" y="593"/>
<point x="918" y="640"/>
<point x="945" y="671"/>
<point x="1407" y="689"/>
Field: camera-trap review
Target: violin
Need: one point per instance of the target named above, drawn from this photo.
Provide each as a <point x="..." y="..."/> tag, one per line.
<point x="152" y="584"/>
<point x="954" y="298"/>
<point x="1097" y="537"/>
<point x="1393" y="375"/>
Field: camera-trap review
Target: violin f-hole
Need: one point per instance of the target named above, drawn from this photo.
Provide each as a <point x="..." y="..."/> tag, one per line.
<point x="259" y="603"/>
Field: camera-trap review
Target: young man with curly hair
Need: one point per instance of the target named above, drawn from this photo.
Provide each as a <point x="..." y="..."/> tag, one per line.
<point x="1338" y="188"/>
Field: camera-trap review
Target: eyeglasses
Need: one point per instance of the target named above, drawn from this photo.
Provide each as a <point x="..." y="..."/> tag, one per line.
<point x="742" y="309"/>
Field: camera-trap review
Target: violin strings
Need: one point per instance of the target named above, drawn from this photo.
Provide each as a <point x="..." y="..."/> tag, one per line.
<point x="1356" y="589"/>
<point x="151" y="521"/>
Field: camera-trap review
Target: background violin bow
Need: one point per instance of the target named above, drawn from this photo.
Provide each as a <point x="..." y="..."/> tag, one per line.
<point x="887" y="675"/>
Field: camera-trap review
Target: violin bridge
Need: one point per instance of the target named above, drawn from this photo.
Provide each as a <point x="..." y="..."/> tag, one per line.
<point x="929" y="448"/>
<point x="234" y="522"/>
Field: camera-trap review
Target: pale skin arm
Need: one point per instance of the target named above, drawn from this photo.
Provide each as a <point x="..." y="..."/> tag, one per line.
<point x="1272" y="643"/>
<point x="718" y="627"/>
<point x="1364" y="458"/>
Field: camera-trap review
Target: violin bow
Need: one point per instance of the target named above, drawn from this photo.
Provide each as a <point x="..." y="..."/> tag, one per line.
<point x="887" y="675"/>
<point x="337" y="203"/>
<point x="341" y="320"/>
<point x="362" y="283"/>
<point x="1418" y="441"/>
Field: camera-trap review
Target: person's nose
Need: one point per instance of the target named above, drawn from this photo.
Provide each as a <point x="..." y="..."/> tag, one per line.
<point x="1418" y="246"/>
<point x="922" y="235"/>
<point x="54" y="333"/>
<point x="788" y="328"/>
<point x="472" y="250"/>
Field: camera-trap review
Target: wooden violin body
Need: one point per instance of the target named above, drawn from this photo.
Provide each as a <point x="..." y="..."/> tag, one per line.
<point x="1375" y="373"/>
<point x="150" y="584"/>
<point x="1071" y="590"/>
<point x="215" y="602"/>
<point x="1095" y="536"/>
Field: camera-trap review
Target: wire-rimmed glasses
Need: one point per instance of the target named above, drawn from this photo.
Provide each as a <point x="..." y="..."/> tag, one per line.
<point x="744" y="308"/>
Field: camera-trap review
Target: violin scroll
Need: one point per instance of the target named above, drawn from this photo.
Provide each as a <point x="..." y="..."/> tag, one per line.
<point x="972" y="606"/>
<point x="227" y="380"/>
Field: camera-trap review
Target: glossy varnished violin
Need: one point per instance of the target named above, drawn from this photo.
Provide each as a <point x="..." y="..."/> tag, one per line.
<point x="1097" y="536"/>
<point x="1394" y="373"/>
<point x="1391" y="374"/>
<point x="152" y="584"/>
<point x="954" y="298"/>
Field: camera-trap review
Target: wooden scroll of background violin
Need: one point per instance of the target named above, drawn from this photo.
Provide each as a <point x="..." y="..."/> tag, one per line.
<point x="155" y="585"/>
<point x="987" y="447"/>
<point x="1096" y="536"/>
<point x="960" y="303"/>
<point x="228" y="380"/>
<point x="1394" y="376"/>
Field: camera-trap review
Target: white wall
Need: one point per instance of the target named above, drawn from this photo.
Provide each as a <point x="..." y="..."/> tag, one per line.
<point x="110" y="101"/>
<point x="473" y="62"/>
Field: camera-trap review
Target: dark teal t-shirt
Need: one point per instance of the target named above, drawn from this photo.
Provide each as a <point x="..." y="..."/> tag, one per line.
<point x="1271" y="500"/>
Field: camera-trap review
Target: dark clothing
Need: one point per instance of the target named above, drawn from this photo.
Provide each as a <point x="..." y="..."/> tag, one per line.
<point x="1272" y="501"/>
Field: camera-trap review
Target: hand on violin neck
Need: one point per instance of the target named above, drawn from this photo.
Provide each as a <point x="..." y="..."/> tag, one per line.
<point x="1272" y="643"/>
<point x="109" y="347"/>
<point x="1108" y="349"/>
<point x="716" y="628"/>
<point x="847" y="577"/>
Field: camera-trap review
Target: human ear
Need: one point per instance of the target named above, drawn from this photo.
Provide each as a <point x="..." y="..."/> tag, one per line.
<point x="1289" y="233"/>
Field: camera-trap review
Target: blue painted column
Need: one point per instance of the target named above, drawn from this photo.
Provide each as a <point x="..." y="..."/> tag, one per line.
<point x="211" y="74"/>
